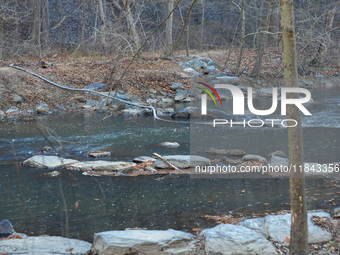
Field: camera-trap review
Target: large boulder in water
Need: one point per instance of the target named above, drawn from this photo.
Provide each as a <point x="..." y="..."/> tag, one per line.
<point x="43" y="161"/>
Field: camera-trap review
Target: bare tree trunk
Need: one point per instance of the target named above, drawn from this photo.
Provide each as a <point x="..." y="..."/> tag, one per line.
<point x="188" y="34"/>
<point x="82" y="33"/>
<point x="45" y="25"/>
<point x="317" y="61"/>
<point x="39" y="29"/>
<point x="243" y="32"/>
<point x="168" y="28"/>
<point x="2" y="29"/>
<point x="274" y="40"/>
<point x="202" y="25"/>
<point x="102" y="25"/>
<point x="262" y="42"/>
<point x="132" y="24"/>
<point x="299" y="233"/>
<point x="60" y="28"/>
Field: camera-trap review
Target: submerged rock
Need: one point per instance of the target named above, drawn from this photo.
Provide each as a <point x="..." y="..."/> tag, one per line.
<point x="278" y="154"/>
<point x="182" y="161"/>
<point x="46" y="245"/>
<point x="170" y="144"/>
<point x="231" y="239"/>
<point x="150" y="242"/>
<point x="194" y="112"/>
<point x="54" y="173"/>
<point x="43" y="161"/>
<point x="98" y="154"/>
<point x="227" y="152"/>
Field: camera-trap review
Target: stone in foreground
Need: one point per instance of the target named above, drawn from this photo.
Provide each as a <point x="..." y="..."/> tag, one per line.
<point x="46" y="245"/>
<point x="146" y="242"/>
<point x="277" y="227"/>
<point x="230" y="239"/>
<point x="43" y="161"/>
<point x="6" y="228"/>
<point x="182" y="161"/>
<point x="101" y="165"/>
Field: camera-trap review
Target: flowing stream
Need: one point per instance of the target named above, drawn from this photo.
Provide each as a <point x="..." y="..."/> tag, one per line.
<point x="77" y="205"/>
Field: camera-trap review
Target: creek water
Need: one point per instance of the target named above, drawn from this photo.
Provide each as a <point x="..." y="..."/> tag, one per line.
<point x="78" y="206"/>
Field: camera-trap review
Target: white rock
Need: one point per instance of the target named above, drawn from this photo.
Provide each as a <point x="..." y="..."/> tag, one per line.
<point x="170" y="144"/>
<point x="13" y="109"/>
<point x="182" y="161"/>
<point x="229" y="80"/>
<point x="146" y="242"/>
<point x="229" y="239"/>
<point x="277" y="227"/>
<point x="43" y="161"/>
<point x="251" y="157"/>
<point x="46" y="245"/>
<point x="133" y="112"/>
<point x="142" y="159"/>
<point x="98" y="154"/>
<point x="101" y="165"/>
<point x="43" y="108"/>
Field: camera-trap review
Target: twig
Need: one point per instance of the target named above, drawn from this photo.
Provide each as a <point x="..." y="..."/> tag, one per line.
<point x="166" y="161"/>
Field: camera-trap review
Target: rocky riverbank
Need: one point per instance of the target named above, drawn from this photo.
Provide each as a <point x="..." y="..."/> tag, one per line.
<point x="269" y="235"/>
<point x="39" y="97"/>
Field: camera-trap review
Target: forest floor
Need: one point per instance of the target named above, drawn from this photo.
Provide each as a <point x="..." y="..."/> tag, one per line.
<point x="133" y="77"/>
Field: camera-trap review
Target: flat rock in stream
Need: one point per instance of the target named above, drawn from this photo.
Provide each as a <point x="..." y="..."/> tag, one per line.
<point x="150" y="242"/>
<point x="182" y="161"/>
<point x="43" y="161"/>
<point x="142" y="159"/>
<point x="101" y="165"/>
<point x="46" y="245"/>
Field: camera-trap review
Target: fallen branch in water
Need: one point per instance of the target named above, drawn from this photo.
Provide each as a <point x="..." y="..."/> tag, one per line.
<point x="166" y="161"/>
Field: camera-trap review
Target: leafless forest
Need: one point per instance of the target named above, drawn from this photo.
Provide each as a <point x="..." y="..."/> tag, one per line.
<point x="43" y="28"/>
